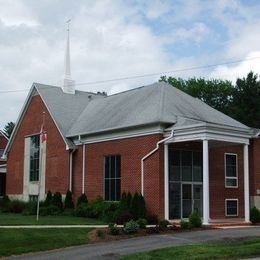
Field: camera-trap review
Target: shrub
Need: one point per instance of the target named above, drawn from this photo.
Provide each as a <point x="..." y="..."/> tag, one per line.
<point x="131" y="227"/>
<point x="82" y="199"/>
<point x="81" y="210"/>
<point x="254" y="215"/>
<point x="50" y="211"/>
<point x="164" y="223"/>
<point x="142" y="222"/>
<point x="100" y="233"/>
<point x="68" y="212"/>
<point x="184" y="224"/>
<point x="16" y="206"/>
<point x="153" y="230"/>
<point x="141" y="206"/>
<point x="129" y="200"/>
<point x="152" y="219"/>
<point x="109" y="211"/>
<point x="114" y="229"/>
<point x="123" y="204"/>
<point x="30" y="208"/>
<point x="134" y="208"/>
<point x="194" y="219"/>
<point x="124" y="217"/>
<point x="48" y="200"/>
<point x="57" y="200"/>
<point x="68" y="203"/>
<point x="4" y="203"/>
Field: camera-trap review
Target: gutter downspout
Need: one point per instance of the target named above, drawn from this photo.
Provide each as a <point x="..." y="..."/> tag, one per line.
<point x="83" y="168"/>
<point x="71" y="169"/>
<point x="148" y="155"/>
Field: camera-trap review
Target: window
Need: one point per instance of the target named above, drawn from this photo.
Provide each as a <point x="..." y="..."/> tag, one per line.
<point x="231" y="170"/>
<point x="113" y="177"/>
<point x="231" y="207"/>
<point x="33" y="198"/>
<point x="1" y="152"/>
<point x="34" y="157"/>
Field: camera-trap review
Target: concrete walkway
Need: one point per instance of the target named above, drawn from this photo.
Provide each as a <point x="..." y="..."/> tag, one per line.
<point x="115" y="249"/>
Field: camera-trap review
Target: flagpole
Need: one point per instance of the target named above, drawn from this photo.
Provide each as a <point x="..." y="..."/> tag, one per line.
<point x="40" y="167"/>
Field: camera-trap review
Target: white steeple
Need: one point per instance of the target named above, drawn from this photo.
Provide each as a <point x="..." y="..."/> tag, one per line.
<point x="68" y="84"/>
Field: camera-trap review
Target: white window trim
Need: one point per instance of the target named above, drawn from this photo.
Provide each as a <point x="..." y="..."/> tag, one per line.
<point x="226" y="177"/>
<point x="226" y="200"/>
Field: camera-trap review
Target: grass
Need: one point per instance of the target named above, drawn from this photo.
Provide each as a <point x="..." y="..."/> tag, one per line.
<point x="19" y="219"/>
<point x="236" y="250"/>
<point x="19" y="241"/>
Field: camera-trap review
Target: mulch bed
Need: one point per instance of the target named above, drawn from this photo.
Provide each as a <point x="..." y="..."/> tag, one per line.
<point x="106" y="236"/>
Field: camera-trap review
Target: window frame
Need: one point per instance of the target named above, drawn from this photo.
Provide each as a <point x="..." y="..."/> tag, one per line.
<point x="228" y="177"/>
<point x="231" y="199"/>
<point x="114" y="178"/>
<point x="30" y="174"/>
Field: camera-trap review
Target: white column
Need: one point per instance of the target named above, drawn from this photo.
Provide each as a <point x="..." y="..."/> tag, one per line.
<point x="166" y="181"/>
<point x="83" y="167"/>
<point x="205" y="182"/>
<point x="246" y="185"/>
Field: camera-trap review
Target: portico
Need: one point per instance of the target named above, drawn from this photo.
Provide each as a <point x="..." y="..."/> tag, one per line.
<point x="188" y="173"/>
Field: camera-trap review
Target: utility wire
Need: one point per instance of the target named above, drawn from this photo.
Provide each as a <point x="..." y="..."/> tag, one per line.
<point x="148" y="75"/>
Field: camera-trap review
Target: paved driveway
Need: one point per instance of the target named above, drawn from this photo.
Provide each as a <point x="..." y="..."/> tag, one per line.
<point x="114" y="249"/>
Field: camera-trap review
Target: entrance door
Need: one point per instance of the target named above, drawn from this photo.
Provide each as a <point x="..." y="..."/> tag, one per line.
<point x="186" y="200"/>
<point x="191" y="199"/>
<point x="197" y="198"/>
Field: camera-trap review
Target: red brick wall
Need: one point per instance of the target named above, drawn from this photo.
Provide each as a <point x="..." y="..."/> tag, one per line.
<point x="131" y="150"/>
<point x="57" y="161"/>
<point x="218" y="192"/>
<point x="254" y="153"/>
<point x="3" y="142"/>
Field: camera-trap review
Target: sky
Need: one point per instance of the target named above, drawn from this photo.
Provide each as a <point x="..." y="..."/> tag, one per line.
<point x="117" y="39"/>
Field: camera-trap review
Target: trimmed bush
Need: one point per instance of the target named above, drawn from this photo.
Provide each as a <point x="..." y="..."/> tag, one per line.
<point x="134" y="208"/>
<point x="30" y="208"/>
<point x="81" y="210"/>
<point x="195" y="219"/>
<point x="124" y="217"/>
<point x="68" y="203"/>
<point x="131" y="227"/>
<point x="114" y="229"/>
<point x="16" y="206"/>
<point x="57" y="200"/>
<point x="164" y="223"/>
<point x="82" y="199"/>
<point x="142" y="222"/>
<point x="4" y="203"/>
<point x="129" y="200"/>
<point x="48" y="200"/>
<point x="184" y="224"/>
<point x="50" y="210"/>
<point x="255" y="215"/>
<point x="152" y="219"/>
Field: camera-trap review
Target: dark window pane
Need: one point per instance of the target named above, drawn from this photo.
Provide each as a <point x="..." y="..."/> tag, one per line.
<point x="174" y="200"/>
<point x="186" y="158"/>
<point x="107" y="167"/>
<point x="232" y="207"/>
<point x="112" y="166"/>
<point x="118" y="166"/>
<point x="230" y="159"/>
<point x="107" y="189"/>
<point x="231" y="171"/>
<point x="231" y="182"/>
<point x="34" y="157"/>
<point x="113" y="189"/>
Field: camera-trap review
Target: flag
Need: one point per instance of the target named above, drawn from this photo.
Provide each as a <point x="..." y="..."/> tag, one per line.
<point x="43" y="135"/>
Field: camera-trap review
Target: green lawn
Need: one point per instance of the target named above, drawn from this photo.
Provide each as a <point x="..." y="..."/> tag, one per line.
<point x="18" y="241"/>
<point x="247" y="248"/>
<point x="19" y="219"/>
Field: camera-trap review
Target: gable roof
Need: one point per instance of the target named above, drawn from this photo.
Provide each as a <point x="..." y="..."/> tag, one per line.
<point x="157" y="103"/>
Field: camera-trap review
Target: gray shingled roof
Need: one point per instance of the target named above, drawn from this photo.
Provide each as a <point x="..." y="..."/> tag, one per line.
<point x="159" y="103"/>
<point x="156" y="103"/>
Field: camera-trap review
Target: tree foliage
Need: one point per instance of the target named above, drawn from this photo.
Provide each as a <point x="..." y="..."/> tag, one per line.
<point x="240" y="101"/>
<point x="8" y="129"/>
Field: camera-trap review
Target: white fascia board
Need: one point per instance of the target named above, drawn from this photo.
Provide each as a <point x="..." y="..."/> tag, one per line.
<point x="119" y="135"/>
<point x="210" y="133"/>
